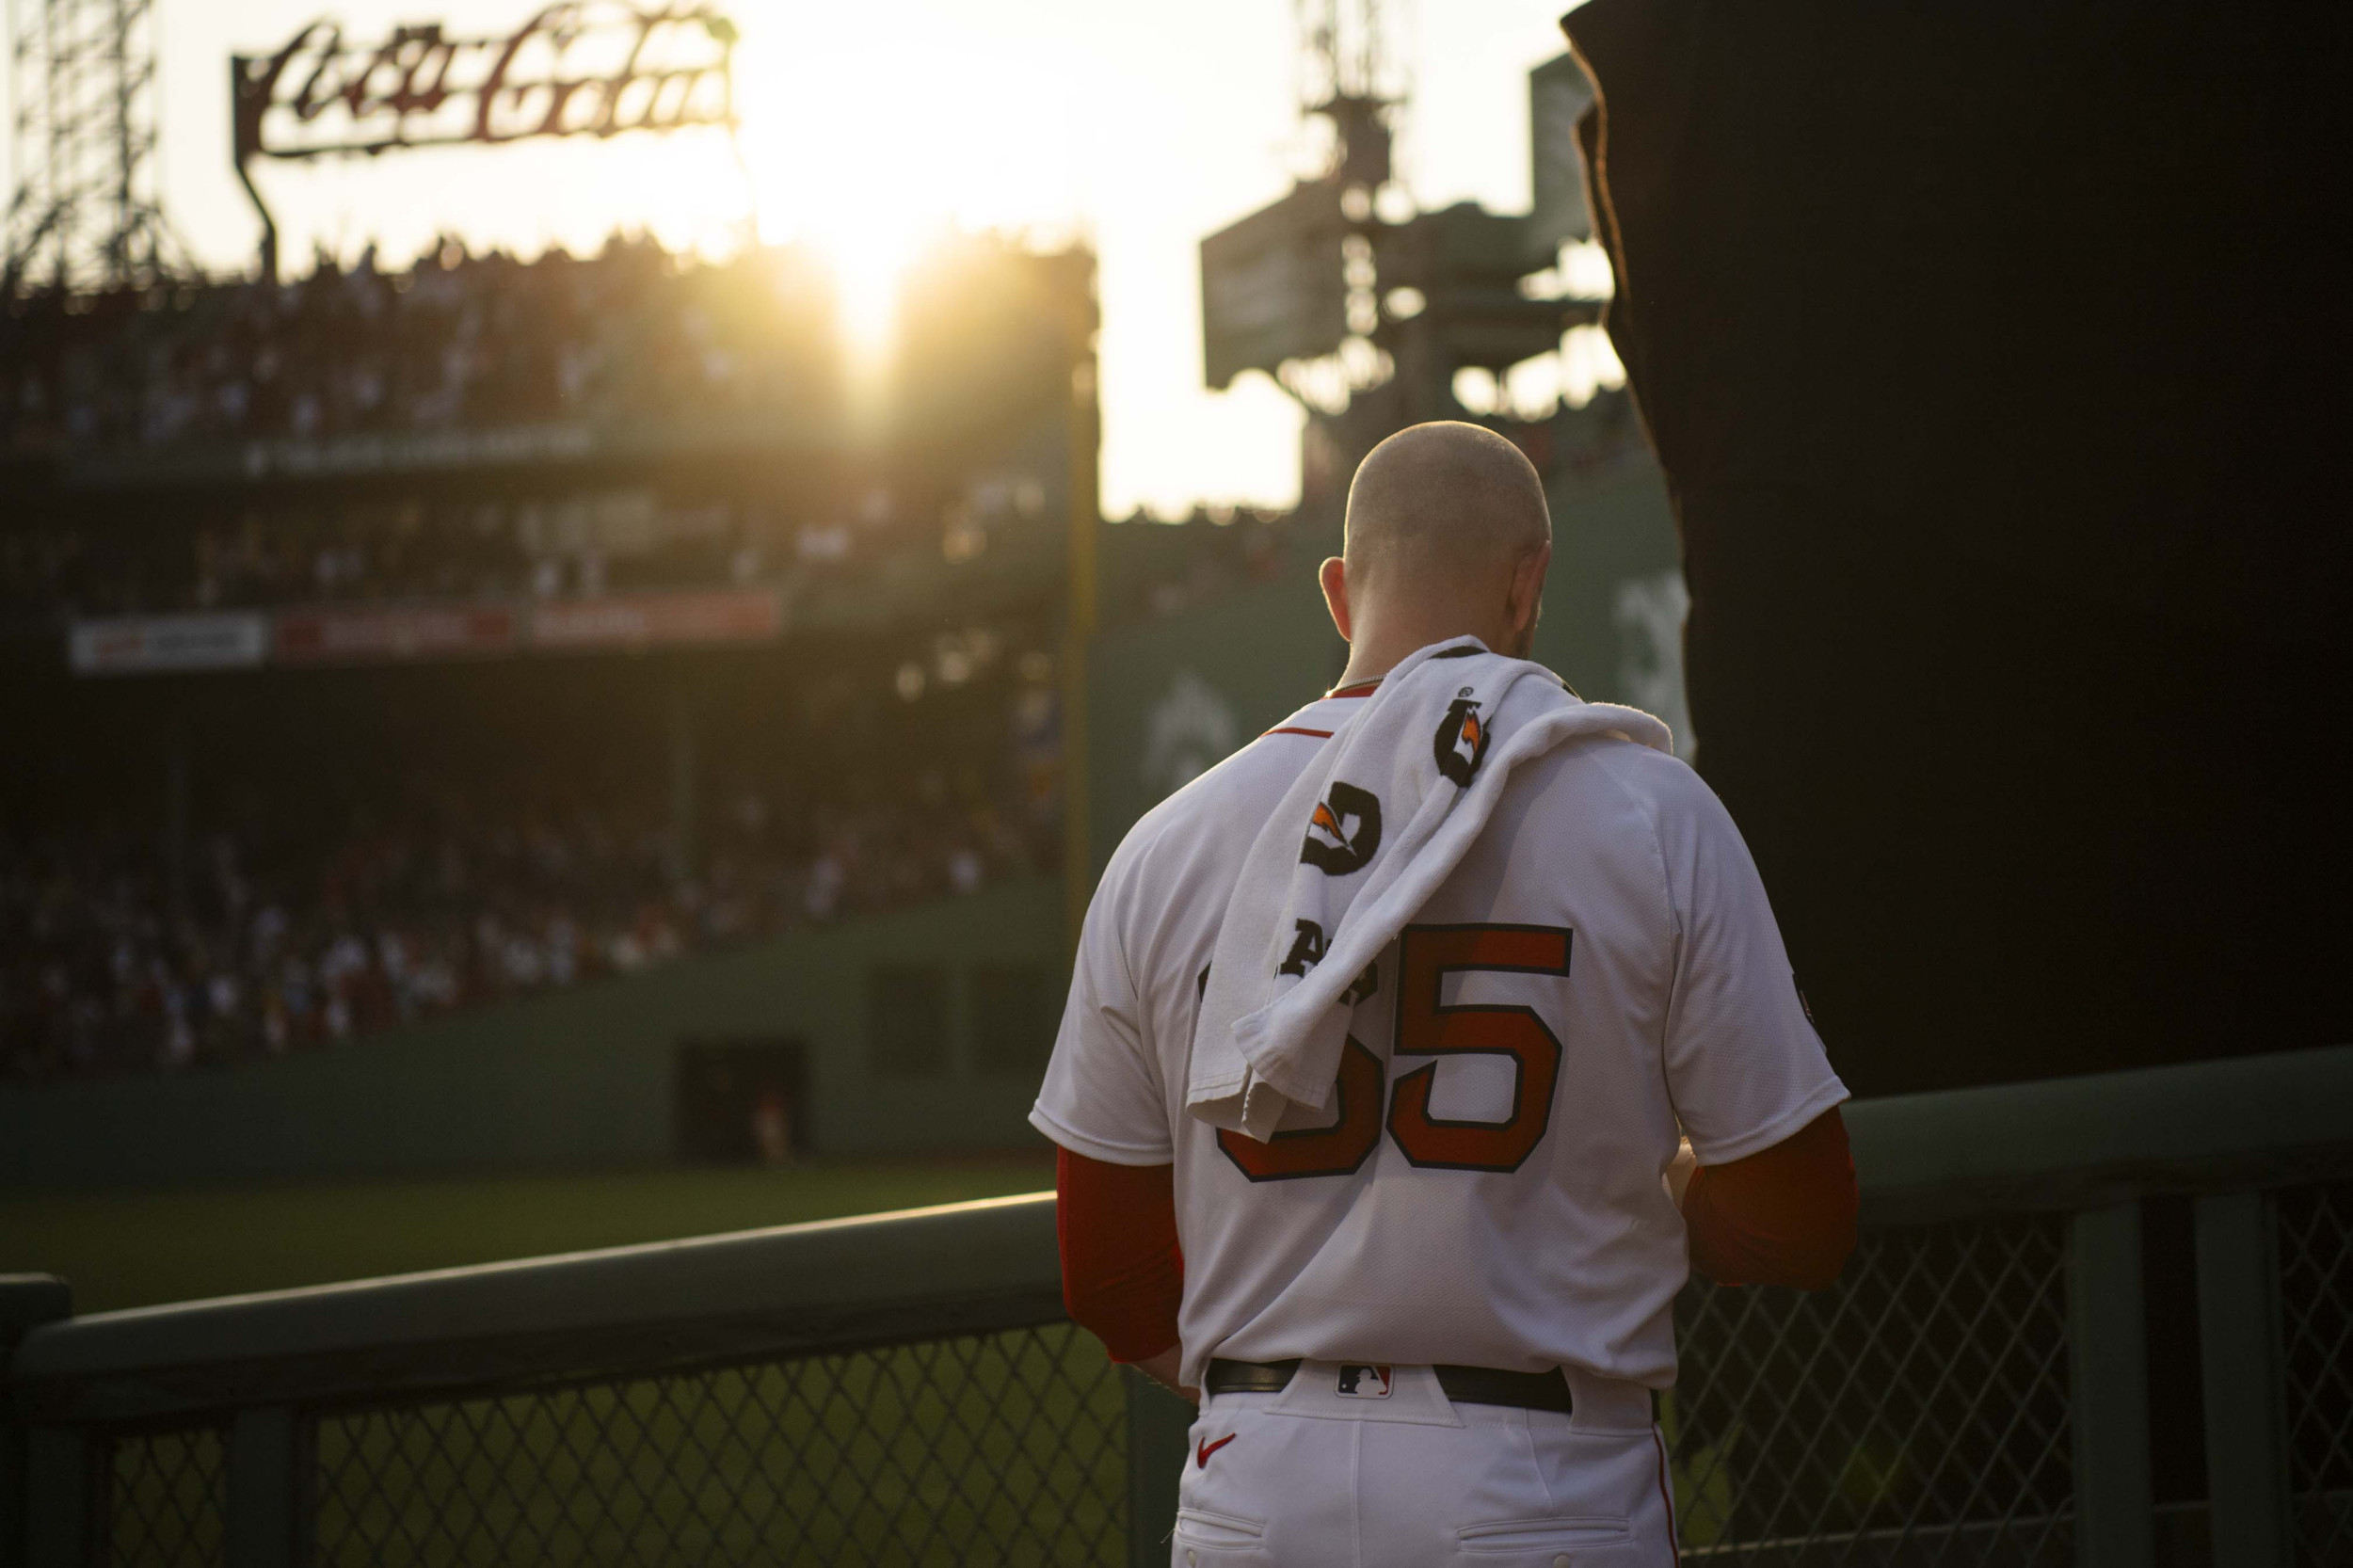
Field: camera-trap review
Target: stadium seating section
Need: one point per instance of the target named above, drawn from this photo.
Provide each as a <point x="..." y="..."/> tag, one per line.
<point x="287" y="929"/>
<point x="891" y="736"/>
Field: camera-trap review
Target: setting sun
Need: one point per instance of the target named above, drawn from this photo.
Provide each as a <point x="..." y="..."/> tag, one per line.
<point x="866" y="143"/>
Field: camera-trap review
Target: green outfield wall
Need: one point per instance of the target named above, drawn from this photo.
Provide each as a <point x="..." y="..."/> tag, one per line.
<point x="589" y="1078"/>
<point x="1172" y="698"/>
<point x="1614" y="602"/>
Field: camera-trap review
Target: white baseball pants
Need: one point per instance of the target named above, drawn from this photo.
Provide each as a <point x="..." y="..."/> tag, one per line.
<point x="1311" y="1479"/>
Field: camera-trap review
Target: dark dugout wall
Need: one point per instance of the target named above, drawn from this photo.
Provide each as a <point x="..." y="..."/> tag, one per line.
<point x="1995" y="356"/>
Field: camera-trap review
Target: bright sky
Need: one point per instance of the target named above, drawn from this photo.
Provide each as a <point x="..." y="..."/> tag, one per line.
<point x="867" y="121"/>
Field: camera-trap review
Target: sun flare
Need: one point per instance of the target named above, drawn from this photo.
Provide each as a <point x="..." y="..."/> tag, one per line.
<point x="866" y="143"/>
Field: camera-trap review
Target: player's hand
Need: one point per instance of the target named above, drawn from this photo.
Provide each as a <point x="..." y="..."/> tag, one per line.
<point x="1678" y="1174"/>
<point x="1161" y="1369"/>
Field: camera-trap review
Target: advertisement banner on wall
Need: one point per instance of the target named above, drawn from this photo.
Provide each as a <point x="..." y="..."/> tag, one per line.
<point x="387" y="634"/>
<point x="148" y="644"/>
<point x="404" y="634"/>
<point x="655" y="619"/>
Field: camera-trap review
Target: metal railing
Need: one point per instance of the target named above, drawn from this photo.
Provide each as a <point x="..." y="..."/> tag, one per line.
<point x="903" y="1389"/>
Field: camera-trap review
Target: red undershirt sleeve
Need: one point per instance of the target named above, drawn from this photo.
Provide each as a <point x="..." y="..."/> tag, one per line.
<point x="1123" y="1274"/>
<point x="1782" y="1216"/>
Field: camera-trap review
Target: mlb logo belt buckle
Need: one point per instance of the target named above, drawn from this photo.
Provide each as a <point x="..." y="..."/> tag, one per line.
<point x="1362" y="1383"/>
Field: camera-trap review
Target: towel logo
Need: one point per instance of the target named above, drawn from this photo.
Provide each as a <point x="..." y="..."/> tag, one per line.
<point x="1460" y="743"/>
<point x="1345" y="831"/>
<point x="1307" y="948"/>
<point x="1308" y="944"/>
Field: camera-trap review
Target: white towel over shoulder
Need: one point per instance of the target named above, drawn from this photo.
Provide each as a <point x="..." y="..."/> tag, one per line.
<point x="1357" y="847"/>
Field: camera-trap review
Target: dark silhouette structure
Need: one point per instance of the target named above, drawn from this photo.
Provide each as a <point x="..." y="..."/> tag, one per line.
<point x="1997" y="357"/>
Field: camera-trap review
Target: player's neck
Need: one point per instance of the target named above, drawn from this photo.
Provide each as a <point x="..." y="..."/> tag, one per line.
<point x="1373" y="657"/>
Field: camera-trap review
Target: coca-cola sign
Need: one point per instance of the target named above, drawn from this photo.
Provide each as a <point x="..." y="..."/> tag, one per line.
<point x="582" y="68"/>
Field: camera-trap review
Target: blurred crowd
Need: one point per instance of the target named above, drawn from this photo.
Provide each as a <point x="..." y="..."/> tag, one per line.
<point x="406" y="548"/>
<point x="591" y="542"/>
<point x="454" y="342"/>
<point x="111" y="963"/>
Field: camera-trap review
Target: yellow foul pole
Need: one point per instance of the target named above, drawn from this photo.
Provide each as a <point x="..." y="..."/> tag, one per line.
<point x="1085" y="516"/>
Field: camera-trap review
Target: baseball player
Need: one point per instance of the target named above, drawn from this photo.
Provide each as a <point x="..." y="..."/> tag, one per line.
<point x="1413" y="1056"/>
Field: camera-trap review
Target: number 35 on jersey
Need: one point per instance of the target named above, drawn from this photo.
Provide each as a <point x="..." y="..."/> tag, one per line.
<point x="1427" y="1027"/>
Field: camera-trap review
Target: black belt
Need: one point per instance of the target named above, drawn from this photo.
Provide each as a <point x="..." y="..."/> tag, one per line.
<point x="1468" y="1385"/>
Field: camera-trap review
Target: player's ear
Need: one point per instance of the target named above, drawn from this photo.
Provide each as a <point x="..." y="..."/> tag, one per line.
<point x="1332" y="576"/>
<point x="1527" y="594"/>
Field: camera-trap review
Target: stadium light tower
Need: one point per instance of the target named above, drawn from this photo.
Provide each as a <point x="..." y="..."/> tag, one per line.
<point x="1349" y="80"/>
<point x="83" y="212"/>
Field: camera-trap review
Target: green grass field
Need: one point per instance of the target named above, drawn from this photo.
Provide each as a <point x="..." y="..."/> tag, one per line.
<point x="123" y="1249"/>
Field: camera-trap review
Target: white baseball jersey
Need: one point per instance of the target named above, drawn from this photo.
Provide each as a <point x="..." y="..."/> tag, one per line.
<point x="1601" y="966"/>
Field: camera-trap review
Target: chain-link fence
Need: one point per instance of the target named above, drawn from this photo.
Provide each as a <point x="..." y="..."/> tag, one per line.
<point x="997" y="1449"/>
<point x="1917" y="1413"/>
<point x="901" y="1391"/>
<point x="165" y="1507"/>
<point x="2316" y="1302"/>
<point x="1006" y="1447"/>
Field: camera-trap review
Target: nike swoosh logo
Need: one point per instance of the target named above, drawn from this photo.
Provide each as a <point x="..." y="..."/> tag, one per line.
<point x="1201" y="1456"/>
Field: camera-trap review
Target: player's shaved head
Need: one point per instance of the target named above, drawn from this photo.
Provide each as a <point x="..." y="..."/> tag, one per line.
<point x="1438" y="503"/>
<point x="1447" y="534"/>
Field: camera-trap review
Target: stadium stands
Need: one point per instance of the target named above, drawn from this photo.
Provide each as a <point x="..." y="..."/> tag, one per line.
<point x="406" y="546"/>
<point x="445" y="894"/>
<point x="805" y="669"/>
<point x="419" y="546"/>
<point x="385" y="806"/>
<point x="454" y="342"/>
